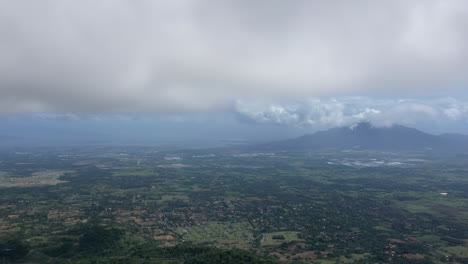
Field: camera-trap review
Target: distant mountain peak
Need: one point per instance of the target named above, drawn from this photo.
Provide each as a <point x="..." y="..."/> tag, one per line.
<point x="364" y="135"/>
<point x="365" y="125"/>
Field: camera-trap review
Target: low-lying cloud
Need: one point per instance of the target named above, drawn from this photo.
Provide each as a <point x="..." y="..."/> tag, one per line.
<point x="346" y="111"/>
<point x="122" y="55"/>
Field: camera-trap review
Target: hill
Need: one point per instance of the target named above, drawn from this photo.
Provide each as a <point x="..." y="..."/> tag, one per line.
<point x="366" y="136"/>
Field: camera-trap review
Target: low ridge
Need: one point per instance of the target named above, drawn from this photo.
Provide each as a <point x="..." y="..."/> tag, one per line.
<point x="366" y="136"/>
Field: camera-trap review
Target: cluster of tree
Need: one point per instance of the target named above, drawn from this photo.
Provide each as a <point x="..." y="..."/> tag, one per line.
<point x="13" y="248"/>
<point x="99" y="242"/>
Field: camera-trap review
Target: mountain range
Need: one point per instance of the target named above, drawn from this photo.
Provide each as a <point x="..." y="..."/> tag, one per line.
<point x="365" y="136"/>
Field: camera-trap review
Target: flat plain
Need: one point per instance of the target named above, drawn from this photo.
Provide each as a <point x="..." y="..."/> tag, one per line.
<point x="295" y="207"/>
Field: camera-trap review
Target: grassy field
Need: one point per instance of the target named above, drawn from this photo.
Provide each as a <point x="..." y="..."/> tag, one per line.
<point x="269" y="240"/>
<point x="44" y="177"/>
<point x="459" y="251"/>
<point x="227" y="234"/>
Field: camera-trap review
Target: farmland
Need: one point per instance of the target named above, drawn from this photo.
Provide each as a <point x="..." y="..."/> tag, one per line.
<point x="281" y="207"/>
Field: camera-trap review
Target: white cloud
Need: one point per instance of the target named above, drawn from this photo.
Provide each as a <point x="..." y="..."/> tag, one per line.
<point x="453" y="113"/>
<point x="343" y="111"/>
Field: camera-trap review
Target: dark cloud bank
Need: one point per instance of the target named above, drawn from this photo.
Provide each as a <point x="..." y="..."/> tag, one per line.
<point x="160" y="56"/>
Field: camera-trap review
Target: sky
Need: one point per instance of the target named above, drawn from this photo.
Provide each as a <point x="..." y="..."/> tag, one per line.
<point x="229" y="69"/>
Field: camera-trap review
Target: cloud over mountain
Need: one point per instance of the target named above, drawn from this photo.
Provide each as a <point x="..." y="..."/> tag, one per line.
<point x="204" y="55"/>
<point x="343" y="111"/>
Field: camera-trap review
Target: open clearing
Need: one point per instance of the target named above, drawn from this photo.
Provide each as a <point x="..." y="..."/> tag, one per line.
<point x="46" y="177"/>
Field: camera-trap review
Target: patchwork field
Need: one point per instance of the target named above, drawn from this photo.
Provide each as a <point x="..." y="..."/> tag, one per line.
<point x="45" y="177"/>
<point x="289" y="207"/>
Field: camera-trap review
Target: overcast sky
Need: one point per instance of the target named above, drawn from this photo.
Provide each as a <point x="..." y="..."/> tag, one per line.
<point x="294" y="63"/>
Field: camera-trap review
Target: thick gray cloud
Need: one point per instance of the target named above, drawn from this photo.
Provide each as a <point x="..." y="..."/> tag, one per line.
<point x="187" y="55"/>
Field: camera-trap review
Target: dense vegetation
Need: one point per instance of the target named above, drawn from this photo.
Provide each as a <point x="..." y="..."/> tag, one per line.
<point x="135" y="205"/>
